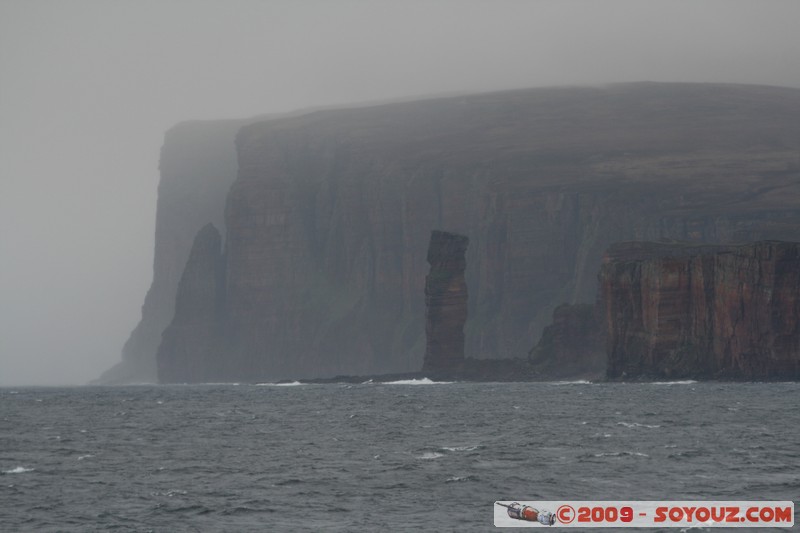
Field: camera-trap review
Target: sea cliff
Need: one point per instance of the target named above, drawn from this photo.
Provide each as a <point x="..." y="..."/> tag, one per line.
<point x="197" y="167"/>
<point x="674" y="311"/>
<point x="327" y="222"/>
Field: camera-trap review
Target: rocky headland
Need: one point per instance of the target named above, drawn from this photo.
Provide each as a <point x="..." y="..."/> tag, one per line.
<point x="327" y="217"/>
<point x="197" y="166"/>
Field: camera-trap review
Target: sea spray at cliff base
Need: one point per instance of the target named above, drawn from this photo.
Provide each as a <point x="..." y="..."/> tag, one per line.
<point x="423" y="381"/>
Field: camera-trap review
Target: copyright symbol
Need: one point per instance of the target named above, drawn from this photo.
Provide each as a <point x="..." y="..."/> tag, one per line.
<point x="565" y="514"/>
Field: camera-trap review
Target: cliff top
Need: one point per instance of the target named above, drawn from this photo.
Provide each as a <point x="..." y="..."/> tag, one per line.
<point x="646" y="134"/>
<point x="642" y="251"/>
<point x="446" y="246"/>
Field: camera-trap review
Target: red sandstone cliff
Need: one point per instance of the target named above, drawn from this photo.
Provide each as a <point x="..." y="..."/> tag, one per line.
<point x="678" y="311"/>
<point x="328" y="219"/>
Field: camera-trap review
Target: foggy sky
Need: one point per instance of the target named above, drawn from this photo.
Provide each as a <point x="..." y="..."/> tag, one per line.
<point x="87" y="89"/>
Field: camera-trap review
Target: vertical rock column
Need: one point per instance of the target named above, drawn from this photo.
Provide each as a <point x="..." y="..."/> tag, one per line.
<point x="445" y="302"/>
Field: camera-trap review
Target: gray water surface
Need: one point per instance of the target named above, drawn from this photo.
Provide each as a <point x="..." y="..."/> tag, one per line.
<point x="375" y="457"/>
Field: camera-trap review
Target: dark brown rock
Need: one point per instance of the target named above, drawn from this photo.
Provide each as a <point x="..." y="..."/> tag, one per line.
<point x="573" y="345"/>
<point x="675" y="311"/>
<point x="445" y="303"/>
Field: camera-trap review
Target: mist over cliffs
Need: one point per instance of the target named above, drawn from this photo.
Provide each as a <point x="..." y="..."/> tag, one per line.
<point x="320" y="266"/>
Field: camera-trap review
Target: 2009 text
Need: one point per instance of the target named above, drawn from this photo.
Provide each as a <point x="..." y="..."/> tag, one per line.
<point x="645" y="514"/>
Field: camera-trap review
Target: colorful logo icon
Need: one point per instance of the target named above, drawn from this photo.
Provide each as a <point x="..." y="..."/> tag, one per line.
<point x="529" y="514"/>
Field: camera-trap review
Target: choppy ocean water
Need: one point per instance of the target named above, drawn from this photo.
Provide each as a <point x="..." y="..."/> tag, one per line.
<point x="375" y="457"/>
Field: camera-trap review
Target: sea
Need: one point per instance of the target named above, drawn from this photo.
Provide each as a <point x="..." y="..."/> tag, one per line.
<point x="378" y="457"/>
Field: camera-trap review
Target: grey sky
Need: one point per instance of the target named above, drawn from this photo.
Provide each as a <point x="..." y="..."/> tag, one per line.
<point x="87" y="89"/>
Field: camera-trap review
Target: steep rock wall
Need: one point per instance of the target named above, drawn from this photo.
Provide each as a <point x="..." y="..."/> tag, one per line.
<point x="676" y="311"/>
<point x="573" y="345"/>
<point x="192" y="349"/>
<point x="328" y="219"/>
<point x="197" y="166"/>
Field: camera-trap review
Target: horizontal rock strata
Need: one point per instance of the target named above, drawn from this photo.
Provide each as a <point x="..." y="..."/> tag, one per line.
<point x="675" y="311"/>
<point x="445" y="303"/>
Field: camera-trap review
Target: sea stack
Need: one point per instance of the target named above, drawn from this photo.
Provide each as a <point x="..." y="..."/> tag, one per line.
<point x="677" y="311"/>
<point x="445" y="303"/>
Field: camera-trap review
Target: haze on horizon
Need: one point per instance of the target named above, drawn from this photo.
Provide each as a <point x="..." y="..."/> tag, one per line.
<point x="88" y="88"/>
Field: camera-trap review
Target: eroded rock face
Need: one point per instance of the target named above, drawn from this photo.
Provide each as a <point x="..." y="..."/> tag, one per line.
<point x="573" y="345"/>
<point x="198" y="166"/>
<point x="445" y="303"/>
<point x="678" y="311"/>
<point x="191" y="350"/>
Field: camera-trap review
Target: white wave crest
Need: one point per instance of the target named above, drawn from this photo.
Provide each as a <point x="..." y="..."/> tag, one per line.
<point x="576" y="382"/>
<point x="423" y="381"/>
<point x="637" y="425"/>
<point x="684" y="382"/>
<point x="621" y="454"/>
<point x="460" y="448"/>
<point x="430" y="455"/>
<point x="18" y="470"/>
<point x="458" y="479"/>
<point x="290" y="384"/>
